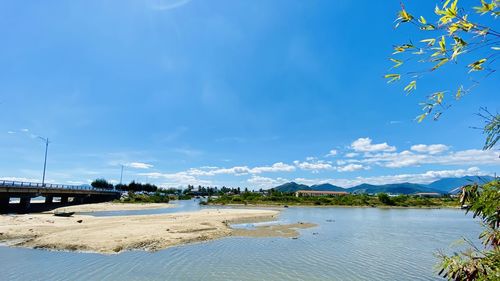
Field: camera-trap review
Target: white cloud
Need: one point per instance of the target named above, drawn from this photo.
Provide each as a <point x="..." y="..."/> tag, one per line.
<point x="139" y="165"/>
<point x="243" y="170"/>
<point x="431" y="149"/>
<point x="265" y="182"/>
<point x="24" y="130"/>
<point x="11" y="132"/>
<point x="422" y="178"/>
<point x="313" y="165"/>
<point x="309" y="182"/>
<point x="276" y="167"/>
<point x="365" y="145"/>
<point x="407" y="158"/>
<point x="351" y="168"/>
<point x="175" y="179"/>
<point x="332" y="153"/>
<point x="351" y="154"/>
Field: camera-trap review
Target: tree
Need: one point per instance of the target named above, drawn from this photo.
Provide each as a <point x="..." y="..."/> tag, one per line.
<point x="457" y="33"/>
<point x="121" y="186"/>
<point x="454" y="37"/>
<point x="385" y="199"/>
<point x="475" y="263"/>
<point x="101" y="183"/>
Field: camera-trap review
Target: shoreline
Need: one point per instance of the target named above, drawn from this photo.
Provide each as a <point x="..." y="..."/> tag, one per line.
<point x="111" y="235"/>
<point x="282" y="206"/>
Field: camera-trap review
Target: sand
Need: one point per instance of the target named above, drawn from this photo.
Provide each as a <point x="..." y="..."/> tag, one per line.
<point x="145" y="232"/>
<point x="85" y="208"/>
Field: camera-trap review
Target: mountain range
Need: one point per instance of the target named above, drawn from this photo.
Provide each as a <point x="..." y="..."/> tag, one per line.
<point x="444" y="185"/>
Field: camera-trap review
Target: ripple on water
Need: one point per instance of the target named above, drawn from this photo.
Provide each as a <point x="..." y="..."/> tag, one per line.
<point x="357" y="244"/>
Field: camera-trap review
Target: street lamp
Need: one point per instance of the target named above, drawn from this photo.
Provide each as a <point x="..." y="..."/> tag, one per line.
<point x="46" y="140"/>
<point x="121" y="178"/>
<point x="121" y="175"/>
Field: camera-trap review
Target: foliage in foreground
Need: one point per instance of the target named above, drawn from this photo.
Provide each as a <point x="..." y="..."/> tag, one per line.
<point x="475" y="263"/>
<point x="453" y="36"/>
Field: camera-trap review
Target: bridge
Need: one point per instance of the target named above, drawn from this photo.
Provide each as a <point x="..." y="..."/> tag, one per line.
<point x="68" y="194"/>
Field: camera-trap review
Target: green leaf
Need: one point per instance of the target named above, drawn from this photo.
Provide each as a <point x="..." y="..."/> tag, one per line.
<point x="392" y="77"/>
<point x="398" y="63"/>
<point x="485" y="7"/>
<point x="402" y="48"/>
<point x="411" y="87"/>
<point x="437" y="97"/>
<point x="442" y="44"/>
<point x="477" y="65"/>
<point x="421" y="117"/>
<point x="441" y="62"/>
<point x="430" y="41"/>
<point x="459" y="92"/>
<point x="405" y="16"/>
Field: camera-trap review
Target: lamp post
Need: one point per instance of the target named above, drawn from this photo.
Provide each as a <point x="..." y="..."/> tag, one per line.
<point x="46" y="140"/>
<point x="121" y="175"/>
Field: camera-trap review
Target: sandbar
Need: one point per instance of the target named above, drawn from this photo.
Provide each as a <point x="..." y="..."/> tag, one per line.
<point x="109" y="235"/>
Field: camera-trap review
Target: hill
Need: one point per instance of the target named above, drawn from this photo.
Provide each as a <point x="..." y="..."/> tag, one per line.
<point x="395" y="188"/>
<point x="449" y="184"/>
<point x="444" y="185"/>
<point x="327" y="187"/>
<point x="291" y="187"/>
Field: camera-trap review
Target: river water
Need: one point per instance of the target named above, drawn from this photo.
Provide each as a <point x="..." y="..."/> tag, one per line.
<point x="347" y="244"/>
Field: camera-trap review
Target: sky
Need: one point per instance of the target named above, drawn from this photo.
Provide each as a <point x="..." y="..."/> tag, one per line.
<point x="236" y="93"/>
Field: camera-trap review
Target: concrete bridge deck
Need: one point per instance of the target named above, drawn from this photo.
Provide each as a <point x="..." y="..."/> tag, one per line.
<point x="68" y="194"/>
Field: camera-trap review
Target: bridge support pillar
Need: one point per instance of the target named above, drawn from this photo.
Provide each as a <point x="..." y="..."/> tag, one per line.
<point x="4" y="204"/>
<point x="49" y="199"/>
<point x="24" y="203"/>
<point x="64" y="199"/>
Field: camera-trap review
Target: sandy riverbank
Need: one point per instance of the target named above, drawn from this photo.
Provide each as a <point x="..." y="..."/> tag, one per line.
<point x="146" y="232"/>
<point x="108" y="206"/>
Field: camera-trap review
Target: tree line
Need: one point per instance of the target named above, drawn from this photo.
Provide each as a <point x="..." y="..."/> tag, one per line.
<point x="132" y="186"/>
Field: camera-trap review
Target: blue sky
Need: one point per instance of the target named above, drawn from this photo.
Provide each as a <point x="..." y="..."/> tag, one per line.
<point x="235" y="93"/>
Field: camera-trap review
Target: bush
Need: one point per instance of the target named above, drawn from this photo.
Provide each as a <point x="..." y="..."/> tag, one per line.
<point x="385" y="199"/>
<point x="101" y="183"/>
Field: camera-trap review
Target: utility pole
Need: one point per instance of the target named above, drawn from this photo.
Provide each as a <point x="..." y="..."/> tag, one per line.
<point x="121" y="175"/>
<point x="45" y="160"/>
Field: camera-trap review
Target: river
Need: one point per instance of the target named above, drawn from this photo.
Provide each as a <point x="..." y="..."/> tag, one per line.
<point x="347" y="244"/>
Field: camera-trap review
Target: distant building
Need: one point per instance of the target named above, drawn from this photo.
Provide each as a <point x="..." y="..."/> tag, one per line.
<point x="319" y="193"/>
<point x="428" y="194"/>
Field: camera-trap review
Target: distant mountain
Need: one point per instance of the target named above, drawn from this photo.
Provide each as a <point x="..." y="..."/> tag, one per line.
<point x="327" y="187"/>
<point x="291" y="187"/>
<point x="449" y="184"/>
<point x="395" y="188"/>
<point x="444" y="185"/>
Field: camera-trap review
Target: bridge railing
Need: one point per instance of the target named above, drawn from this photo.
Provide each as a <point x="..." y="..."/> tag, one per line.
<point x="7" y="183"/>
